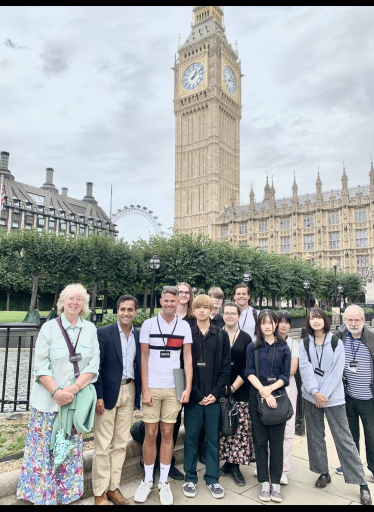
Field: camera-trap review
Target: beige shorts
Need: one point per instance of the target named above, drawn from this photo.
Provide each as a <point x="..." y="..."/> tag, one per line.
<point x="165" y="408"/>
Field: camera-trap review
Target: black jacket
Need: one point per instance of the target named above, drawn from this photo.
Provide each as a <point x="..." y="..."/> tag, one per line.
<point x="218" y="362"/>
<point x="111" y="366"/>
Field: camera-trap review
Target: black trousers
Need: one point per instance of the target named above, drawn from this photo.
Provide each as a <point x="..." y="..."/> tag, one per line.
<point x="363" y="409"/>
<point x="262" y="436"/>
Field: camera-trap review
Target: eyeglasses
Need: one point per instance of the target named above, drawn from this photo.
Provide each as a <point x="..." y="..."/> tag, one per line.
<point x="354" y="320"/>
<point x="230" y="314"/>
<point x="184" y="293"/>
<point x="75" y="299"/>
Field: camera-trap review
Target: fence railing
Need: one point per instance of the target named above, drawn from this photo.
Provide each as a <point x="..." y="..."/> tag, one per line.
<point x="18" y="341"/>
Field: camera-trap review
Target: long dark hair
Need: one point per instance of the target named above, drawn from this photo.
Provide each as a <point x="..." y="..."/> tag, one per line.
<point x="318" y="313"/>
<point x="266" y="313"/>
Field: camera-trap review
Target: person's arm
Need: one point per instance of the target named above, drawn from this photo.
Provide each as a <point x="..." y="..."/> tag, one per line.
<point x="147" y="397"/>
<point x="240" y="379"/>
<point x="92" y="367"/>
<point x="294" y="365"/>
<point x="100" y="405"/>
<point x="61" y="396"/>
<point x="335" y="375"/>
<point x="187" y="358"/>
<point x="224" y="371"/>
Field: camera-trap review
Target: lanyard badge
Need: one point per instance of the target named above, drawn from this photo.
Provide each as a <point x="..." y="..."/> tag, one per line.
<point x="165" y="354"/>
<point x="318" y="370"/>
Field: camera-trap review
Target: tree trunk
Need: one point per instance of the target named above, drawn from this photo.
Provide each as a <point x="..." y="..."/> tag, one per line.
<point x="57" y="295"/>
<point x="145" y="297"/>
<point x="7" y="300"/>
<point x="105" y="293"/>
<point x="93" y="296"/>
<point x="35" y="282"/>
<point x="273" y="300"/>
<point x="260" y="302"/>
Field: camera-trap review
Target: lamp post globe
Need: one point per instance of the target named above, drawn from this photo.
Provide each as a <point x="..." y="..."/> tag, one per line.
<point x="154" y="264"/>
<point x="246" y="276"/>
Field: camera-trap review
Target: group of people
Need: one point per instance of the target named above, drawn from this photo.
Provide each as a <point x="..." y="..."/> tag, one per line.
<point x="224" y="348"/>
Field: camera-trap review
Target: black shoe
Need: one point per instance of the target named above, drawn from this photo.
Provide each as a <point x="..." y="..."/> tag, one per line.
<point x="175" y="473"/>
<point x="365" y="498"/>
<point x="201" y="453"/>
<point x="322" y="480"/>
<point x="237" y="476"/>
<point x="225" y="469"/>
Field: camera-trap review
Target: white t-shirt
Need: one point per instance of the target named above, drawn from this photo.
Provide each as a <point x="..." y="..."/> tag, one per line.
<point x="247" y="322"/>
<point x="160" y="369"/>
<point x="295" y="348"/>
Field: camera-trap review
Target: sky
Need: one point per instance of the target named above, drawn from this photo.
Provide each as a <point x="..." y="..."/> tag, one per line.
<point x="88" y="91"/>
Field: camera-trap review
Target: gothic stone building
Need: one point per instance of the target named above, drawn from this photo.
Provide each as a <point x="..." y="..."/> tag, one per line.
<point x="207" y="106"/>
<point x="27" y="206"/>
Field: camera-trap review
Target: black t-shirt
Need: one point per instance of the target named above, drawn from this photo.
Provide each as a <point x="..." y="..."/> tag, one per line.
<point x="238" y="363"/>
<point x="218" y="321"/>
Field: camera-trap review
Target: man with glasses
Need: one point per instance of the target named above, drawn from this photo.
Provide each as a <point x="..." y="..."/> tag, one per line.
<point x="161" y="341"/>
<point x="358" y="378"/>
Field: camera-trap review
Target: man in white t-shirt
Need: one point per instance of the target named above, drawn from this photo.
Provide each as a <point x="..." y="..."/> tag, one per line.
<point x="248" y="318"/>
<point x="161" y="341"/>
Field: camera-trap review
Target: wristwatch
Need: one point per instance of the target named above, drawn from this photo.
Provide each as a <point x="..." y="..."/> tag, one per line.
<point x="271" y="387"/>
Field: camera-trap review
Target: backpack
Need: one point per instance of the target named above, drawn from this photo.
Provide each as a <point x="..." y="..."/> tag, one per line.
<point x="334" y="344"/>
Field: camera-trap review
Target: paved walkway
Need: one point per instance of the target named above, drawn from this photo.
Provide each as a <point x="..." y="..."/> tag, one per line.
<point x="299" y="491"/>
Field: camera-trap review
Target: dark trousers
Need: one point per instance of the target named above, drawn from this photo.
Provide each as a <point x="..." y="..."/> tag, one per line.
<point x="262" y="436"/>
<point x="194" y="418"/>
<point x="363" y="409"/>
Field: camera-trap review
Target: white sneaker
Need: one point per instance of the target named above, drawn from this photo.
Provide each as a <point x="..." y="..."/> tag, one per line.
<point x="166" y="496"/>
<point x="284" y="479"/>
<point x="143" y="491"/>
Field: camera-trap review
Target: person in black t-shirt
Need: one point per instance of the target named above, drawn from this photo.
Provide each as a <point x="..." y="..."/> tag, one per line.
<point x="217" y="295"/>
<point x="237" y="449"/>
<point x="211" y="370"/>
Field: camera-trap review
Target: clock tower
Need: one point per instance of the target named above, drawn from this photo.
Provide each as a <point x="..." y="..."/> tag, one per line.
<point x="207" y="108"/>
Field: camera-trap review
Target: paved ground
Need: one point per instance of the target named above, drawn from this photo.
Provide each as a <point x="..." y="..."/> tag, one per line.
<point x="299" y="491"/>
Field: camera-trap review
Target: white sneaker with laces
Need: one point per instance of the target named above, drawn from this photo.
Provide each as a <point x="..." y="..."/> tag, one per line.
<point x="189" y="489"/>
<point x="217" y="490"/>
<point x="166" y="496"/>
<point x="284" y="479"/>
<point x="143" y="491"/>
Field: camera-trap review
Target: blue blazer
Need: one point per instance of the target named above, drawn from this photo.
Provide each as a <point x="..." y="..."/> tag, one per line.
<point x="111" y="366"/>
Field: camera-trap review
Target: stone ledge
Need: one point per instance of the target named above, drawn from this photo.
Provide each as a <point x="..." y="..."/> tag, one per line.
<point x="131" y="469"/>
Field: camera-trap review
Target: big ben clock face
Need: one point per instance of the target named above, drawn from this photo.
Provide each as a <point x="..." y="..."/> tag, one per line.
<point x="230" y="80"/>
<point x="193" y="76"/>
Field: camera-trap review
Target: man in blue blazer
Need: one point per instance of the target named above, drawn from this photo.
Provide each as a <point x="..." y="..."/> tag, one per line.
<point x="118" y="393"/>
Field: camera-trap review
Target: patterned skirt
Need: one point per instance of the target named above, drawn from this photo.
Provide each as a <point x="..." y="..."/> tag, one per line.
<point x="238" y="449"/>
<point x="40" y="482"/>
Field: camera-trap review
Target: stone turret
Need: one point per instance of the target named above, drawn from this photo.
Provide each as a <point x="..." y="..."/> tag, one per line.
<point x="267" y="190"/>
<point x="4" y="165"/>
<point x="345" y="193"/>
<point x="89" y="198"/>
<point x="371" y="176"/>
<point x="294" y="190"/>
<point x="48" y="185"/>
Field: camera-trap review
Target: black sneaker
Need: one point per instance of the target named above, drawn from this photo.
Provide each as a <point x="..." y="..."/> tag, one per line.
<point x="217" y="490"/>
<point x="175" y="473"/>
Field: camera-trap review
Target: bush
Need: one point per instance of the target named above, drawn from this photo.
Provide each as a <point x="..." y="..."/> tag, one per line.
<point x="300" y="312"/>
<point x="111" y="318"/>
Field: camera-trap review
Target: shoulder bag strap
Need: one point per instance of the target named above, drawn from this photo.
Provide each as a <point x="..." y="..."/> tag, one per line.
<point x="69" y="345"/>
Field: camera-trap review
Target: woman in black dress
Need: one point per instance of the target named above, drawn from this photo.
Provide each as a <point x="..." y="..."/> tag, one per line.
<point x="237" y="449"/>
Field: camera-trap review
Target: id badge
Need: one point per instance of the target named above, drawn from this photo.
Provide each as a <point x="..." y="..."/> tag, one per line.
<point x="165" y="354"/>
<point x="353" y="366"/>
<point x="271" y="380"/>
<point x="74" y="358"/>
<point x="201" y="364"/>
<point x="319" y="372"/>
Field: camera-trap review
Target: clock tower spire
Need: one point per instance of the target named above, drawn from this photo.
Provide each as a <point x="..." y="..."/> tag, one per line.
<point x="207" y="108"/>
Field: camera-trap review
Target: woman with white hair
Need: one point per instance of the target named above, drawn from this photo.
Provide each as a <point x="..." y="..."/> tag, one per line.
<point x="60" y="372"/>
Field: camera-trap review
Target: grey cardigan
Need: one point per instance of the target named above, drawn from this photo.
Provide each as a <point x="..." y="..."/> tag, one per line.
<point x="331" y="384"/>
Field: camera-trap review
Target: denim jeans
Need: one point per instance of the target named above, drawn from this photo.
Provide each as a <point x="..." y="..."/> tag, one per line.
<point x="344" y="444"/>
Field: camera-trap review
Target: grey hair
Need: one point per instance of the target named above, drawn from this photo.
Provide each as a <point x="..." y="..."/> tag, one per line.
<point x="362" y="312"/>
<point x="79" y="290"/>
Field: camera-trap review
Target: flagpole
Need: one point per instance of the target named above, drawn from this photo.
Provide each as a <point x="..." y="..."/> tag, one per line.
<point x="111" y="197"/>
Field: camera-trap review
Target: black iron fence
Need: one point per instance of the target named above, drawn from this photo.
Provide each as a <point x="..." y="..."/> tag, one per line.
<point x="17" y="342"/>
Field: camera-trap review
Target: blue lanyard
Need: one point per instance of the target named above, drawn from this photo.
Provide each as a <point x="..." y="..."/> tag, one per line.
<point x="354" y="353"/>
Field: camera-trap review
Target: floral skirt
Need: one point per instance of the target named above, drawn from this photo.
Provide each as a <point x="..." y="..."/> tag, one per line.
<point x="40" y="482"/>
<point x="238" y="449"/>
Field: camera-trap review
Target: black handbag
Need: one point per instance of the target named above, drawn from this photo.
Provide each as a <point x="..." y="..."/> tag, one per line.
<point x="229" y="415"/>
<point x="284" y="410"/>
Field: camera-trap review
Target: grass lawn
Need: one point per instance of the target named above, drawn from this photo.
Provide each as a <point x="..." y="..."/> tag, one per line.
<point x="18" y="316"/>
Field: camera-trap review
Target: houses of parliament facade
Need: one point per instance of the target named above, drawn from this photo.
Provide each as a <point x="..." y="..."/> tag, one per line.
<point x="338" y="224"/>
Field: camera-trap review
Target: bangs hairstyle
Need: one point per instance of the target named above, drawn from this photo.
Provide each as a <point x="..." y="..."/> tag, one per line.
<point x="216" y="292"/>
<point x="284" y="315"/>
<point x="189" y="305"/>
<point x="201" y="300"/>
<point x="262" y="316"/>
<point x="78" y="289"/>
<point x="232" y="305"/>
<point x="317" y="313"/>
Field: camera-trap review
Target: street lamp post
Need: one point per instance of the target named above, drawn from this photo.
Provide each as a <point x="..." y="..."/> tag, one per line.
<point x="335" y="264"/>
<point x="340" y="291"/>
<point x="154" y="264"/>
<point x="306" y="286"/>
<point x="246" y="276"/>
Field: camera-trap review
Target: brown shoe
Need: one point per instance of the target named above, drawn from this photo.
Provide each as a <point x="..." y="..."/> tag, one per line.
<point x="365" y="498"/>
<point x="102" y="500"/>
<point x="322" y="480"/>
<point x="117" y="497"/>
